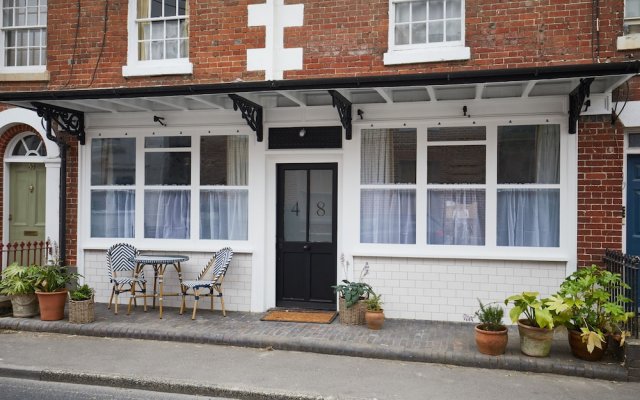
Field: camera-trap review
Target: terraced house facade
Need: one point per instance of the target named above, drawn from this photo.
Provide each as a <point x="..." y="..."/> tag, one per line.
<point x="461" y="149"/>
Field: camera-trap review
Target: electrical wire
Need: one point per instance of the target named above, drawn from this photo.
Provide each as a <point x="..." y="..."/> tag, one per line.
<point x="75" y="47"/>
<point x="104" y="41"/>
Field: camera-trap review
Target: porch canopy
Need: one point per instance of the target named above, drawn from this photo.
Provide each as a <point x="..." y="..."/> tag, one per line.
<point x="588" y="87"/>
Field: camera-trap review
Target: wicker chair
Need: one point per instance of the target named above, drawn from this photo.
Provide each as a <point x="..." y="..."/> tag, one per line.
<point x="121" y="271"/>
<point x="220" y="263"/>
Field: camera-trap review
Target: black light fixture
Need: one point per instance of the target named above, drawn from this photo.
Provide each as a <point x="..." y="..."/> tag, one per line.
<point x="464" y="110"/>
<point x="360" y="113"/>
<point x="159" y="120"/>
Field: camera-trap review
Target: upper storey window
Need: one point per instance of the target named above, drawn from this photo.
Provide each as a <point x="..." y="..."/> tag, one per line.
<point x="24" y="35"/>
<point x="158" y="38"/>
<point x="631" y="37"/>
<point x="426" y="31"/>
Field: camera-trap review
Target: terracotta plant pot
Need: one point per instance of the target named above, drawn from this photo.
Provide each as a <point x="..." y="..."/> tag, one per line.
<point x="375" y="319"/>
<point x="579" y="348"/>
<point x="24" y="305"/>
<point x="492" y="343"/>
<point x="52" y="305"/>
<point x="535" y="342"/>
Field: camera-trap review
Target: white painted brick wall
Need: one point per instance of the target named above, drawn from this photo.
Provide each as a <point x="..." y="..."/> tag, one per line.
<point x="237" y="282"/>
<point x="433" y="289"/>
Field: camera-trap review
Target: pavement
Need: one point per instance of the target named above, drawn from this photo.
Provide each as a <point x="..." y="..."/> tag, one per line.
<point x="450" y="343"/>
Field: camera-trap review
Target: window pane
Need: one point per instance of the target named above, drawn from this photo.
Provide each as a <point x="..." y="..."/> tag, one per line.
<point x="436" y="9"/>
<point x="172" y="48"/>
<point x="388" y="156"/>
<point x="632" y="9"/>
<point x="456" y="217"/>
<point x="19" y="150"/>
<point x="224" y="160"/>
<point x="182" y="7"/>
<point x="164" y="142"/>
<point x="144" y="31"/>
<point x="403" y="12"/>
<point x="454" y="8"/>
<point x="7" y="18"/>
<point x="113" y="161"/>
<point x="418" y="11"/>
<point x="436" y="32"/>
<point x="454" y="30"/>
<point x="156" y="8"/>
<point x="388" y="216"/>
<point x="528" y="218"/>
<point x="172" y="29"/>
<point x="167" y="168"/>
<point x="157" y="30"/>
<point x="113" y="213"/>
<point x="529" y="154"/>
<point x="634" y="140"/>
<point x="321" y="206"/>
<point x="295" y="205"/>
<point x="184" y="48"/>
<point x="457" y="133"/>
<point x="169" y="8"/>
<point x="456" y="164"/>
<point x="418" y="33"/>
<point x="224" y="214"/>
<point x="167" y="214"/>
<point x="143" y="8"/>
<point x="402" y="34"/>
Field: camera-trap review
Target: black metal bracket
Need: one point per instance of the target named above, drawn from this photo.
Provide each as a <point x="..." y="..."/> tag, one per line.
<point x="344" y="111"/>
<point x="576" y="101"/>
<point x="251" y="112"/>
<point x="69" y="120"/>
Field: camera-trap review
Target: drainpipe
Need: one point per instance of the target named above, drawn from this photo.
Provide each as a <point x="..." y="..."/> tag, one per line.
<point x="62" y="237"/>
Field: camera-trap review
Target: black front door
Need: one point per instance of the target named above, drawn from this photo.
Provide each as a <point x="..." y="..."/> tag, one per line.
<point x="306" y="236"/>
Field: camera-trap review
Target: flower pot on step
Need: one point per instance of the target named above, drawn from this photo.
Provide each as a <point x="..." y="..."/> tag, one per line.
<point x="534" y="341"/>
<point x="579" y="348"/>
<point x="493" y="343"/>
<point x="375" y="319"/>
<point x="24" y="305"/>
<point x="82" y="311"/>
<point x="52" y="305"/>
<point x="353" y="315"/>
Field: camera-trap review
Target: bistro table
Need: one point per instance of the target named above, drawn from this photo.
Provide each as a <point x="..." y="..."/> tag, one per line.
<point x="159" y="264"/>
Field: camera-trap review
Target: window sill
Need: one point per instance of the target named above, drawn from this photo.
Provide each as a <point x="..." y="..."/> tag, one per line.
<point x="155" y="68"/>
<point x="431" y="54"/>
<point x="629" y="42"/>
<point x="17" y="75"/>
<point x="170" y="245"/>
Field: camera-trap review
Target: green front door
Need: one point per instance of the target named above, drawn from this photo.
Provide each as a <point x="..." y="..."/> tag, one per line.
<point x="27" y="202"/>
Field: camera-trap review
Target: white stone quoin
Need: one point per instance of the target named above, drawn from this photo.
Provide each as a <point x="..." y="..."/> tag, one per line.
<point x="274" y="59"/>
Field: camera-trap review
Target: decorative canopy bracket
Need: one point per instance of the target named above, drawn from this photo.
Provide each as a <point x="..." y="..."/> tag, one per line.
<point x="576" y="100"/>
<point x="251" y="112"/>
<point x="344" y="111"/>
<point x="70" y="120"/>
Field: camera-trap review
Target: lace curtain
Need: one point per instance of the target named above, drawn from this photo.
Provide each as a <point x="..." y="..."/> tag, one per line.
<point x="167" y="214"/>
<point x="456" y="217"/>
<point x="113" y="213"/>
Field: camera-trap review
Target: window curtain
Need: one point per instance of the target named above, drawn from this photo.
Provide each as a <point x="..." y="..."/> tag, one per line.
<point x="113" y="213"/>
<point x="529" y="217"/>
<point x="377" y="166"/>
<point x="548" y="154"/>
<point x="237" y="160"/>
<point x="388" y="216"/>
<point x="456" y="217"/>
<point x="224" y="214"/>
<point x="143" y="12"/>
<point x="167" y="214"/>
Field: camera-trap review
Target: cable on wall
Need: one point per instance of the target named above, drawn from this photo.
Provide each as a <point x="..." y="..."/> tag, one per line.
<point x="75" y="46"/>
<point x="104" y="41"/>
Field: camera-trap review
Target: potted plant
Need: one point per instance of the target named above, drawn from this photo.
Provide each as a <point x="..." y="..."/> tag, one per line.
<point x="18" y="283"/>
<point x="374" y="314"/>
<point x="585" y="297"/>
<point x="81" y="305"/>
<point x="537" y="327"/>
<point x="491" y="334"/>
<point x="51" y="288"/>
<point x="351" y="302"/>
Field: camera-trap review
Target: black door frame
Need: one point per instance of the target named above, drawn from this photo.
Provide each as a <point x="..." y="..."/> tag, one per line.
<point x="280" y="168"/>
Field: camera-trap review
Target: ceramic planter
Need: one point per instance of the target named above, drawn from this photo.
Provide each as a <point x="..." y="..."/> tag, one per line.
<point x="375" y="319"/>
<point x="52" y="305"/>
<point x="535" y="342"/>
<point x="24" y="305"/>
<point x="493" y="343"/>
<point x="579" y="348"/>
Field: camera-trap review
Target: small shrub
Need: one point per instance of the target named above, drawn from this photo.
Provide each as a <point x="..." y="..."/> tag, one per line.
<point x="84" y="292"/>
<point x="490" y="317"/>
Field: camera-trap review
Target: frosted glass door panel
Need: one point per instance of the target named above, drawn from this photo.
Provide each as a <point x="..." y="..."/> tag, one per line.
<point x="295" y="205"/>
<point x="320" y="206"/>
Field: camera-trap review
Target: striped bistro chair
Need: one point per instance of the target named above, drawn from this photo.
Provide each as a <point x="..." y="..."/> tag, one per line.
<point x="121" y="270"/>
<point x="220" y="263"/>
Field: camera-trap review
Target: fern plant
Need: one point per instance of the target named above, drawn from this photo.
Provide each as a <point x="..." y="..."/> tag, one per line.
<point x="17" y="280"/>
<point x="490" y="317"/>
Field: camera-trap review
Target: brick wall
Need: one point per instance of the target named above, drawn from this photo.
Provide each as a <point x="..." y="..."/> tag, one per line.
<point x="448" y="290"/>
<point x="339" y="38"/>
<point x="600" y="194"/>
<point x="237" y="282"/>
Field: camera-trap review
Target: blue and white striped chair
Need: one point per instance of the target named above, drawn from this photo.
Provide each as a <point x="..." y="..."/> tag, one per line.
<point x="220" y="263"/>
<point x="121" y="269"/>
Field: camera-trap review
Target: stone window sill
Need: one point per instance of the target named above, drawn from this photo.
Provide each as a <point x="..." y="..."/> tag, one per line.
<point x="11" y="76"/>
<point x="629" y="42"/>
<point x="431" y="54"/>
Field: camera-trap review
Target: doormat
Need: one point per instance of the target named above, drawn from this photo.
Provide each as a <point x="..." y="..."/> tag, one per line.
<point x="311" y="316"/>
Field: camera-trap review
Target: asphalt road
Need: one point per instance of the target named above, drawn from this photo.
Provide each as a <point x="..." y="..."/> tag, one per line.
<point x="23" y="389"/>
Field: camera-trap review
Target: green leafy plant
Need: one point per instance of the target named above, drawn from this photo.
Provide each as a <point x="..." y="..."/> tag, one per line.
<point x="374" y="302"/>
<point x="490" y="317"/>
<point x="352" y="292"/>
<point x="537" y="312"/>
<point x="17" y="280"/>
<point x="53" y="278"/>
<point x="83" y="292"/>
<point x="585" y="300"/>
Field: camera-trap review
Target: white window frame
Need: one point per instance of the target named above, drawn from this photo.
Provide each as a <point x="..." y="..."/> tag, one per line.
<point x="31" y="69"/>
<point x="136" y="67"/>
<point x="629" y="41"/>
<point x="428" y="52"/>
